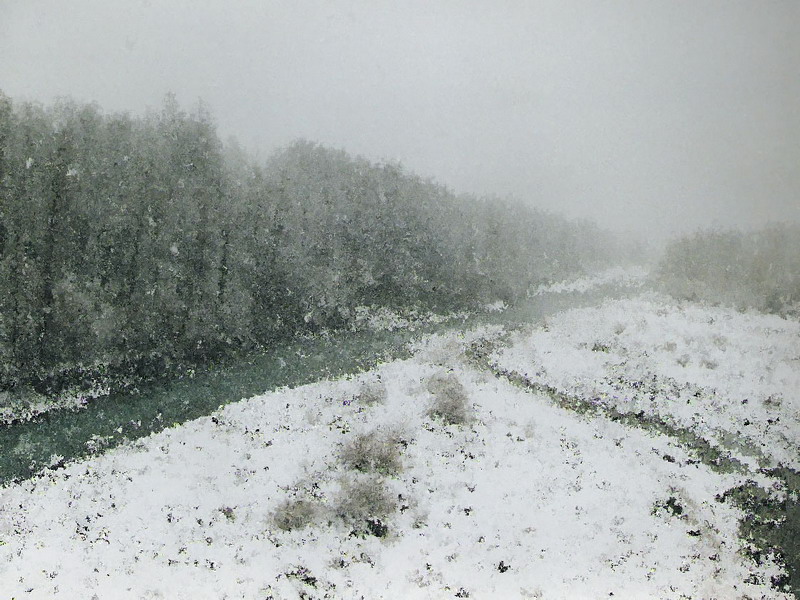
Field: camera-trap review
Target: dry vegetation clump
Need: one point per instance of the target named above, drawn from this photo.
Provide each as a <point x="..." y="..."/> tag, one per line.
<point x="371" y="392"/>
<point x="364" y="502"/>
<point x="373" y="452"/>
<point x="295" y="513"/>
<point x="450" y="401"/>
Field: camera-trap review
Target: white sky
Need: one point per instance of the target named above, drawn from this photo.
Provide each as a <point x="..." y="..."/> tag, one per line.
<point x="653" y="115"/>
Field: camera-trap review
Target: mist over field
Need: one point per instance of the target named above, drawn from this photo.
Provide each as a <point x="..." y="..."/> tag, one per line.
<point x="651" y="117"/>
<point x="399" y="300"/>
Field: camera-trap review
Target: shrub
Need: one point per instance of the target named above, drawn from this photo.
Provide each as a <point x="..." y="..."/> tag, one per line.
<point x="364" y="502"/>
<point x="450" y="403"/>
<point x="378" y="452"/>
<point x="372" y="391"/>
<point x="294" y="514"/>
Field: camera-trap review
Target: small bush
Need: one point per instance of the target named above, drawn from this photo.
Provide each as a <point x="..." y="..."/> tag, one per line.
<point x="373" y="452"/>
<point x="708" y="363"/>
<point x="294" y="514"/>
<point x="363" y="501"/>
<point x="370" y="392"/>
<point x="451" y="403"/>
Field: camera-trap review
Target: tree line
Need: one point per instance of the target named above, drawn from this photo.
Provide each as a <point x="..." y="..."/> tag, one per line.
<point x="758" y="269"/>
<point x="132" y="244"/>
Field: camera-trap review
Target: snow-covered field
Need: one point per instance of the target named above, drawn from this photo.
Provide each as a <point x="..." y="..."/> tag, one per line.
<point x="352" y="488"/>
<point x="731" y="377"/>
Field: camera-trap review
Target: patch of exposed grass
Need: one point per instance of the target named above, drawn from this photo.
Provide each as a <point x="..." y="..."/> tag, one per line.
<point x="671" y="506"/>
<point x="771" y="523"/>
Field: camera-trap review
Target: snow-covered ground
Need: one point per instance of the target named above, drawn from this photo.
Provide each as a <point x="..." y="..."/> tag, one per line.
<point x="731" y="377"/>
<point x="381" y="318"/>
<point x="351" y="488"/>
<point x="623" y="276"/>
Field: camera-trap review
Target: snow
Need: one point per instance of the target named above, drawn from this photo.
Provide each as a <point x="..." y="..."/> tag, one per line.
<point x="381" y="318"/>
<point x="527" y="500"/>
<point x="625" y="276"/>
<point x="498" y="306"/>
<point x="26" y="409"/>
<point x="726" y="374"/>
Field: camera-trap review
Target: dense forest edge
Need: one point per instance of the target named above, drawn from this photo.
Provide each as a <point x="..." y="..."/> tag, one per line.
<point x="137" y="246"/>
<point x="758" y="269"/>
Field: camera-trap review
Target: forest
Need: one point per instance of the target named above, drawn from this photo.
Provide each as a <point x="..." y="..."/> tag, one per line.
<point x="132" y="246"/>
<point x="757" y="269"/>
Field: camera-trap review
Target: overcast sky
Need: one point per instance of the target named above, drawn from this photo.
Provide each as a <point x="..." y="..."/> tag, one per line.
<point x="653" y="115"/>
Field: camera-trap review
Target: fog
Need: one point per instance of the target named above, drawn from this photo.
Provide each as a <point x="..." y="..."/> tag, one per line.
<point x="656" y="116"/>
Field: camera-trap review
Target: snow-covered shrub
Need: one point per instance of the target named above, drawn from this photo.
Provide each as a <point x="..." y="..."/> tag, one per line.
<point x="364" y="502"/>
<point x="373" y="452"/>
<point x="450" y="401"/>
<point x="295" y="513"/>
<point x="371" y="391"/>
